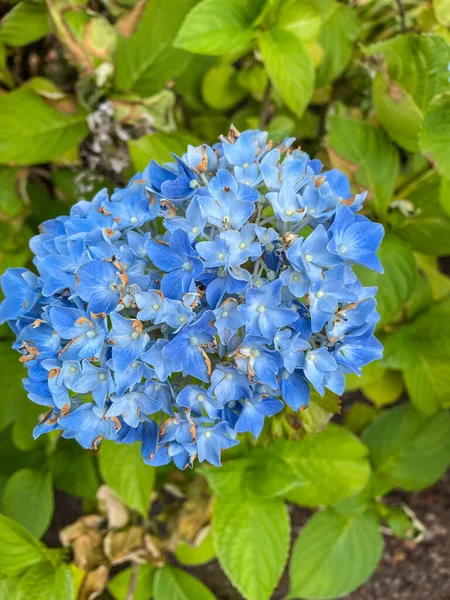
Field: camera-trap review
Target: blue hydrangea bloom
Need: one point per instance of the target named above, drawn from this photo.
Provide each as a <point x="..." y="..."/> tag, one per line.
<point x="196" y="302"/>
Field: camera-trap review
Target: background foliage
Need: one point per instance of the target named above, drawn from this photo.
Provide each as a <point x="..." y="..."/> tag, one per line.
<point x="90" y="92"/>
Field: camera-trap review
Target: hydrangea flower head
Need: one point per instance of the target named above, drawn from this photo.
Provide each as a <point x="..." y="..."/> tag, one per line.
<point x="196" y="302"/>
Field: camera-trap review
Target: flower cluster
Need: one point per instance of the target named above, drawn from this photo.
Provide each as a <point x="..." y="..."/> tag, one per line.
<point x="197" y="301"/>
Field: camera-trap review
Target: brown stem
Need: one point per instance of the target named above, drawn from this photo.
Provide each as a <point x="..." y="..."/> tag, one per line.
<point x="133" y="581"/>
<point x="264" y="115"/>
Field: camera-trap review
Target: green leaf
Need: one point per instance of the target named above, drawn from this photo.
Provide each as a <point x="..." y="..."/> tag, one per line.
<point x="120" y="583"/>
<point x="289" y="67"/>
<point x="428" y="382"/>
<point x="339" y="32"/>
<point x="10" y="201"/>
<point x="24" y="23"/>
<point x="359" y="417"/>
<point x="304" y="19"/>
<point x="318" y="469"/>
<point x="421" y="297"/>
<point x="252" y="543"/>
<point x="426" y="229"/>
<point x="44" y="87"/>
<point x="439" y="283"/>
<point x="74" y="470"/>
<point x="146" y="61"/>
<point x="422" y="350"/>
<point x="13" y="395"/>
<point x="28" y="499"/>
<point x="370" y="374"/>
<point x="444" y="196"/>
<point x="397" y="283"/>
<point x="45" y="582"/>
<point x="7" y="586"/>
<point x="200" y="554"/>
<point x="32" y="132"/>
<point x="442" y="11"/>
<point x="22" y="430"/>
<point x="416" y="71"/>
<point x="385" y="390"/>
<point x="18" y="548"/>
<point x="430" y="330"/>
<point x="418" y="63"/>
<point x="14" y="459"/>
<point x="397" y="112"/>
<point x="220" y="88"/>
<point x="158" y="146"/>
<point x="230" y="478"/>
<point x="125" y="472"/>
<point x="366" y="155"/>
<point x="435" y="134"/>
<point x="171" y="583"/>
<point x="213" y="27"/>
<point x="334" y="554"/>
<point x="409" y="449"/>
<point x="328" y="466"/>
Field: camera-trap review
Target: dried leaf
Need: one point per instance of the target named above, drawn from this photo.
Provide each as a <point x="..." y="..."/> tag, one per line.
<point x="86" y="540"/>
<point x="94" y="583"/>
<point x="114" y="508"/>
<point x="120" y="546"/>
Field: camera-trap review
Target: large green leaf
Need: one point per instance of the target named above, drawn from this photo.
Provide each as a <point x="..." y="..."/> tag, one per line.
<point x="18" y="548"/>
<point x="32" y="132"/>
<point x="327" y="467"/>
<point x="339" y="32"/>
<point x="24" y="23"/>
<point x="289" y="67"/>
<point x="418" y="63"/>
<point x="13" y="395"/>
<point x="28" y="499"/>
<point x="435" y="134"/>
<point x="364" y="152"/>
<point x="45" y="582"/>
<point x="334" y="554"/>
<point x="409" y="449"/>
<point x="416" y="71"/>
<point x="74" y="470"/>
<point x="397" y="283"/>
<point x="146" y="61"/>
<point x="422" y="350"/>
<point x="397" y="111"/>
<point x="126" y="473"/>
<point x="158" y="146"/>
<point x="252" y="543"/>
<point x="323" y="468"/>
<point x="171" y="583"/>
<point x="426" y="228"/>
<point x="213" y="27"/>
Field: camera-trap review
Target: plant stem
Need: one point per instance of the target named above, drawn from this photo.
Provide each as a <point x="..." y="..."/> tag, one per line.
<point x="264" y="115"/>
<point x="133" y="581"/>
<point x="401" y="10"/>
